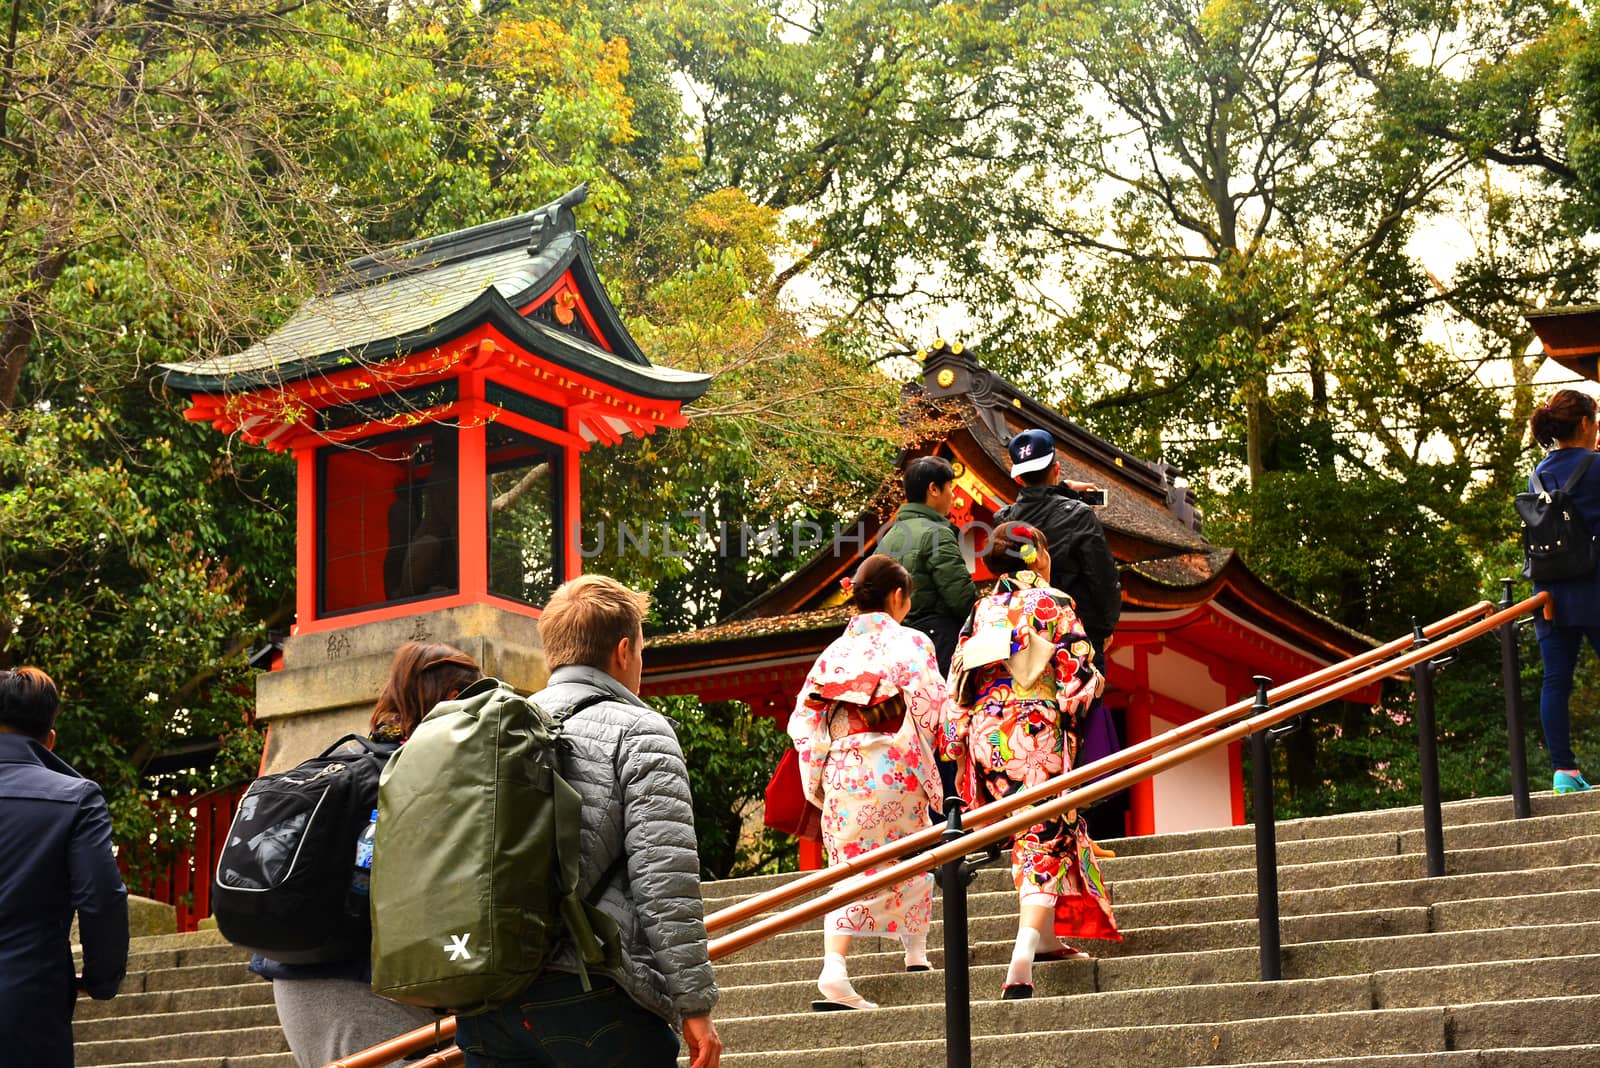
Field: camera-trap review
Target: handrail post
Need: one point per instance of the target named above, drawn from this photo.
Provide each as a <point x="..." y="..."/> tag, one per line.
<point x="1266" y="840"/>
<point x="957" y="956"/>
<point x="1428" y="757"/>
<point x="1511" y="679"/>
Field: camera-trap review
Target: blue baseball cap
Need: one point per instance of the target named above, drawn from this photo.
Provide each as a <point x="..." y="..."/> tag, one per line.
<point x="1031" y="450"/>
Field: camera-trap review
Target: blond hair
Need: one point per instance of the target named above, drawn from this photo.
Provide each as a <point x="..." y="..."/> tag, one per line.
<point x="585" y="619"/>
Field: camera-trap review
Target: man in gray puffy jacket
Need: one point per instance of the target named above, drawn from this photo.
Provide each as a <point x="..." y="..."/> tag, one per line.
<point x="638" y="843"/>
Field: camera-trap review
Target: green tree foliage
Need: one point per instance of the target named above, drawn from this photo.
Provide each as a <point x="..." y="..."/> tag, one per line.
<point x="1204" y="230"/>
<point x="177" y="180"/>
<point x="730" y="754"/>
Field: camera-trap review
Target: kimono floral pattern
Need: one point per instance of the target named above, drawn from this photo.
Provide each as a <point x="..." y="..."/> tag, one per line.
<point x="1014" y="736"/>
<point x="873" y="787"/>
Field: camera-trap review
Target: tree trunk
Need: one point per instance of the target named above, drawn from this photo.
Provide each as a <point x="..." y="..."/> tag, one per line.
<point x="21" y="327"/>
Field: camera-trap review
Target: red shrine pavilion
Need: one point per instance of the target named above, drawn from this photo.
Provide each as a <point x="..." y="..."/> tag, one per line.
<point x="1196" y="624"/>
<point x="437" y="400"/>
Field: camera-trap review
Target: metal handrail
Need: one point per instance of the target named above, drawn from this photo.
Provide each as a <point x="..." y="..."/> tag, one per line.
<point x="986" y="814"/>
<point x="999" y="820"/>
<point x="1111" y="784"/>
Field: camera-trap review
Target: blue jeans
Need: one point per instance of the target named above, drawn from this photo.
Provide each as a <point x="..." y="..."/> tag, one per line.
<point x="1559" y="647"/>
<point x="555" y="1024"/>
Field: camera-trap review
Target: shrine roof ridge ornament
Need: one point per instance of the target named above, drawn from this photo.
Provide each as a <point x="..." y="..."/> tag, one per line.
<point x="423" y="294"/>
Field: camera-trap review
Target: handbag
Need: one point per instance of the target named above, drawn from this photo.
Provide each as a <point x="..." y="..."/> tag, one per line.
<point x="1099" y="732"/>
<point x="789" y="810"/>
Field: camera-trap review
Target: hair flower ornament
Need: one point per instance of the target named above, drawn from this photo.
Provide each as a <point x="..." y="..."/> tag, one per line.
<point x="847" y="585"/>
<point x="1029" y="552"/>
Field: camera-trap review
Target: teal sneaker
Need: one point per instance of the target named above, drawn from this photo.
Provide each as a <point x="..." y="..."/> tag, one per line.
<point x="1569" y="784"/>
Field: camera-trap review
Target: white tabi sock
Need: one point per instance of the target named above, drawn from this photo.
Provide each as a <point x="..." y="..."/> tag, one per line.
<point x="1021" y="970"/>
<point x="916" y="948"/>
<point x="834" y="982"/>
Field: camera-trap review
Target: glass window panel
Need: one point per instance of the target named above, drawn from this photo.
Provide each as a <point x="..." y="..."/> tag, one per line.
<point x="524" y="516"/>
<point x="389" y="519"/>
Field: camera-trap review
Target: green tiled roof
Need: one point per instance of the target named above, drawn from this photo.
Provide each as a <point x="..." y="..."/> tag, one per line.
<point x="420" y="295"/>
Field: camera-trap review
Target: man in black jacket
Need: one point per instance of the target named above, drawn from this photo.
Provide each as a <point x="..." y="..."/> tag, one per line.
<point x="55" y="859"/>
<point x="1080" y="560"/>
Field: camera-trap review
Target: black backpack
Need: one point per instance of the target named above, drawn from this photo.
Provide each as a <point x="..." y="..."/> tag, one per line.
<point x="282" y="887"/>
<point x="1556" y="544"/>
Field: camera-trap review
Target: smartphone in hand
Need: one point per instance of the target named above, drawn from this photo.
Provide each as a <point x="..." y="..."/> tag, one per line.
<point x="1095" y="498"/>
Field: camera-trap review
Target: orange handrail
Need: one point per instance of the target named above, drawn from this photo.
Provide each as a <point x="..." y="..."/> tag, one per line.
<point x="1000" y="820"/>
<point x="994" y="810"/>
<point x="1119" y="781"/>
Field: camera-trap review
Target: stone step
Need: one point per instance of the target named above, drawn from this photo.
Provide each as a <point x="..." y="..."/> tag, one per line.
<point x="255" y="992"/>
<point x="232" y="1060"/>
<point x="1225" y="934"/>
<point x="187" y="978"/>
<point x="1152" y="927"/>
<point x="1401" y="894"/>
<point x="190" y="939"/>
<point x="1407" y="819"/>
<point x="230" y="1018"/>
<point x="1029" y="1034"/>
<point x="1351" y="957"/>
<point x="1538" y="1057"/>
<point x="184" y="956"/>
<point x="1541" y="842"/>
<point x="225" y="1043"/>
<point x="1505" y="858"/>
<point x="1187" y="967"/>
<point x="1393" y="820"/>
<point x="1501" y="980"/>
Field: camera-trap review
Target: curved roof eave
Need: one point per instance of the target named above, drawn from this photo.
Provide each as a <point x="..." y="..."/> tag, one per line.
<point x="489" y="307"/>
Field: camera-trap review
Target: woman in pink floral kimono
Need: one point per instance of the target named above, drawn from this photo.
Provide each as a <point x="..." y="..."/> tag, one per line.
<point x="864" y="728"/>
<point x="1024" y="671"/>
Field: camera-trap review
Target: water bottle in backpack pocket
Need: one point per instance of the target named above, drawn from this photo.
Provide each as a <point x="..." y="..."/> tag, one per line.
<point x="361" y="878"/>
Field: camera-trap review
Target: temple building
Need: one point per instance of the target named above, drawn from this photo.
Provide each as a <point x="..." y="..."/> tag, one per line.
<point x="1196" y="623"/>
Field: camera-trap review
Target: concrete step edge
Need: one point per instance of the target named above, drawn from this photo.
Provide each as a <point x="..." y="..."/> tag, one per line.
<point x="1544" y="803"/>
<point x="1503" y="1057"/>
<point x="873" y="962"/>
<point x="987" y="976"/>
<point x="1288" y="872"/>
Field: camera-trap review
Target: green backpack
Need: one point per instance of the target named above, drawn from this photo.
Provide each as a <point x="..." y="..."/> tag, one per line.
<point x="475" y="862"/>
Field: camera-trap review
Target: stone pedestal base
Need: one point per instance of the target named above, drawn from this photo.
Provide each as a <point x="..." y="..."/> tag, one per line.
<point x="330" y="681"/>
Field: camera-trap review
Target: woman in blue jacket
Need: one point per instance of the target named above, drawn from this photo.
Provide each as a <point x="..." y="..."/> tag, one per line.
<point x="1565" y="426"/>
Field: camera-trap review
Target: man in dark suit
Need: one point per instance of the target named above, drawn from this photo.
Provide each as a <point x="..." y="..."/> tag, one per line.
<point x="55" y="860"/>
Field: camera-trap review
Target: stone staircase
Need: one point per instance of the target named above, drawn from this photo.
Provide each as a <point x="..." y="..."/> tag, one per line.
<point x="1496" y="963"/>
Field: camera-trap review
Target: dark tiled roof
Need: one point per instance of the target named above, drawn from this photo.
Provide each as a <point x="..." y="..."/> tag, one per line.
<point x="1570" y="336"/>
<point x="1182" y="570"/>
<point x="417" y="296"/>
<point x="830" y="618"/>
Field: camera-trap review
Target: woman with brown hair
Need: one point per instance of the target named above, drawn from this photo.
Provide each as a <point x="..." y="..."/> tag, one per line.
<point x="329" y="1011"/>
<point x="1022" y="675"/>
<point x="1565" y="426"/>
<point x="869" y="716"/>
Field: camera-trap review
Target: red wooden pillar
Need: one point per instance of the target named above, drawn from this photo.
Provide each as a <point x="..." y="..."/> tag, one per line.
<point x="472" y="532"/>
<point x="1141" y="795"/>
<point x="571" y="515"/>
<point x="306" y="535"/>
<point x="1236" y="781"/>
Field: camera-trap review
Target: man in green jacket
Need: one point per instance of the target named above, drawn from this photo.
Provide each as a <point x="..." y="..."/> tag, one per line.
<point x="924" y="541"/>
